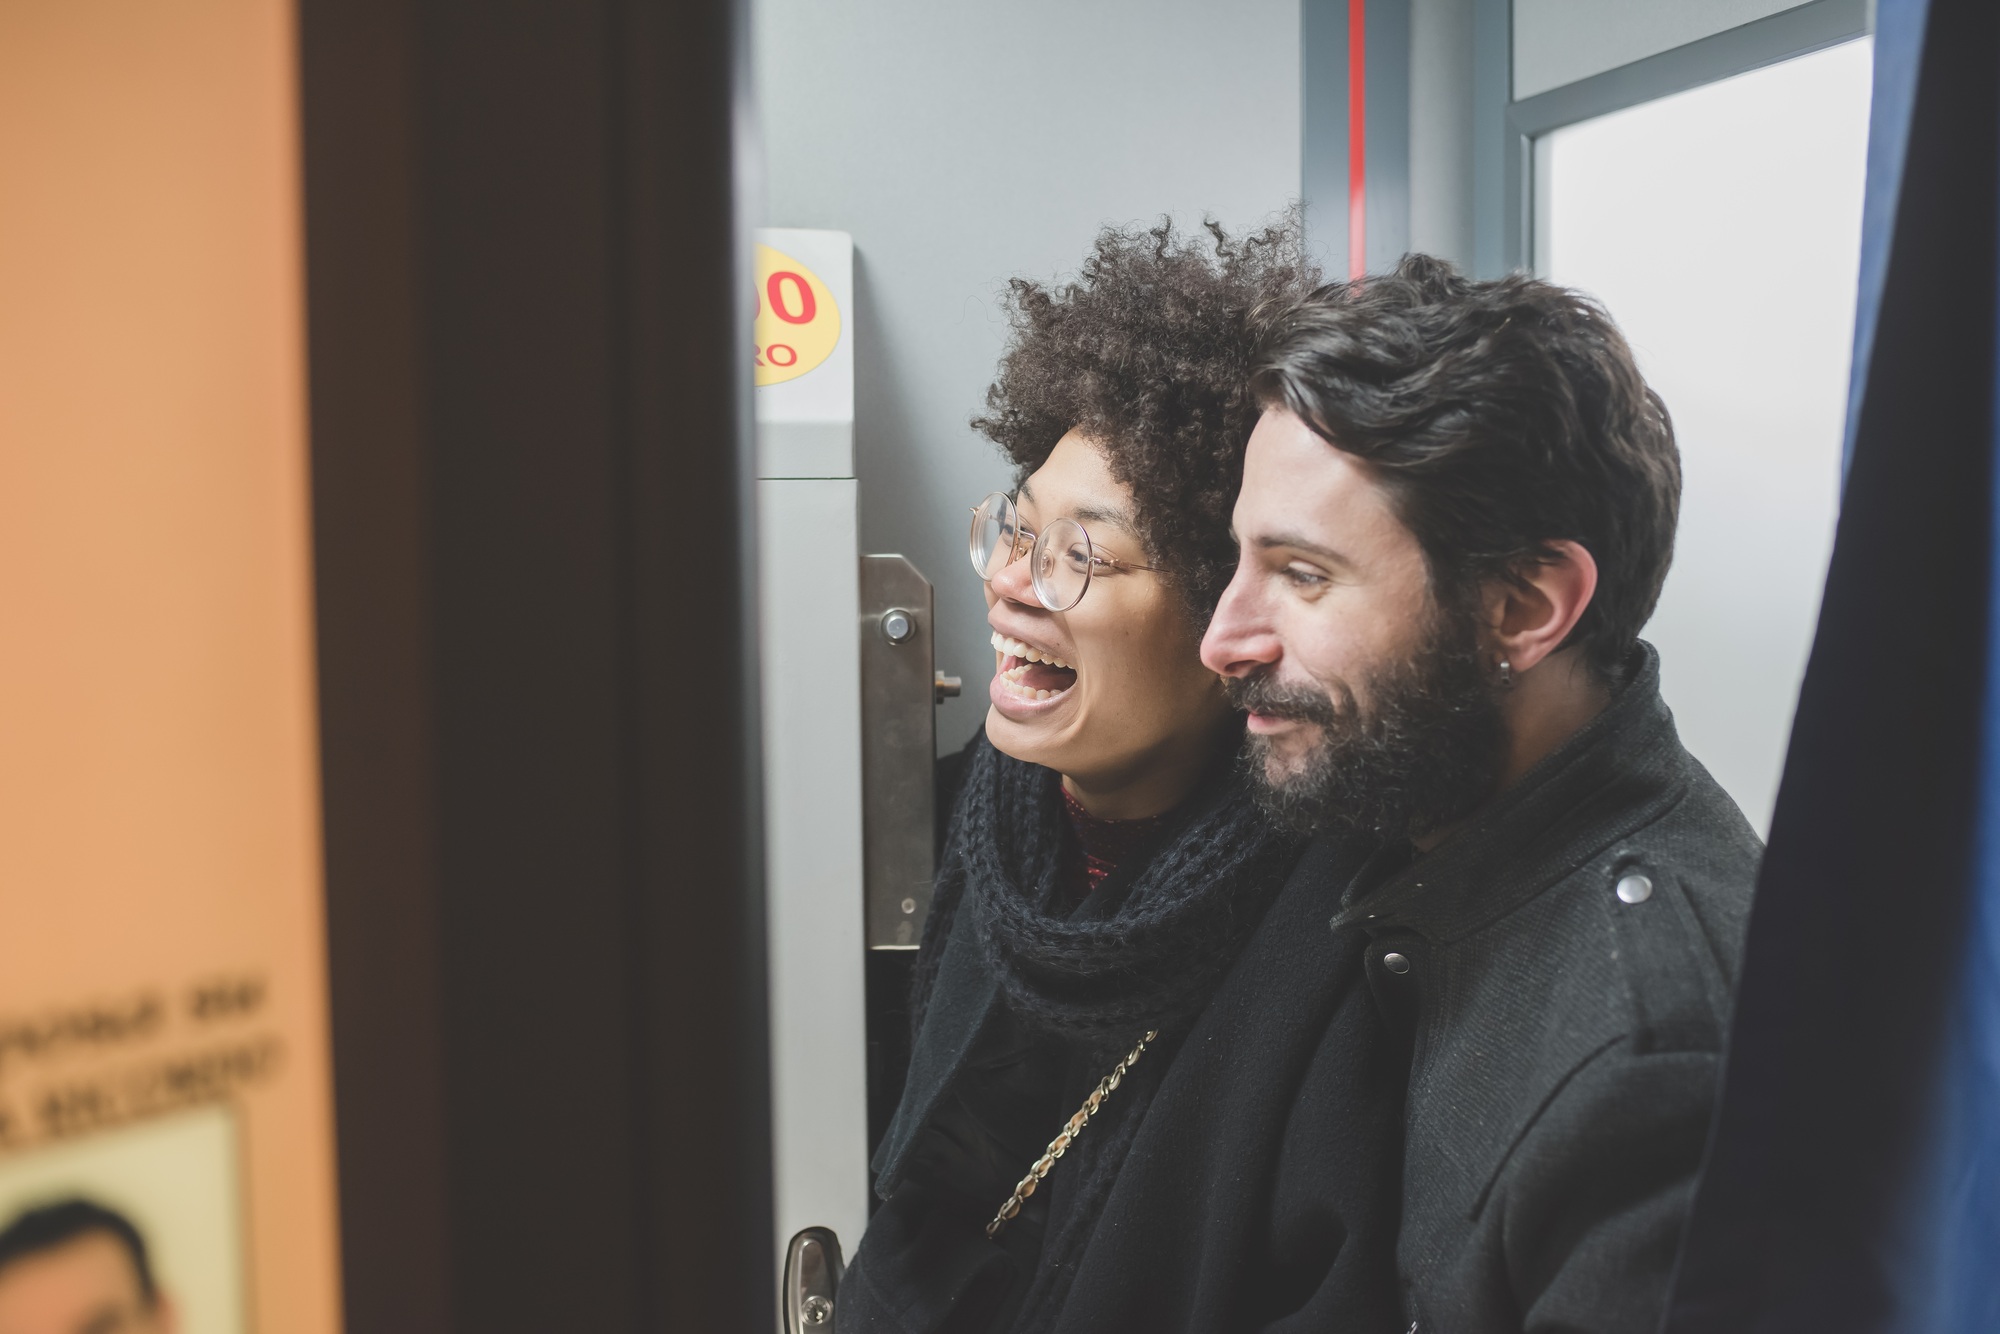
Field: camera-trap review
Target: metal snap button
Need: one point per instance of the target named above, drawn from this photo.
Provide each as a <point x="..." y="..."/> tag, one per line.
<point x="1635" y="889"/>
<point x="1396" y="963"/>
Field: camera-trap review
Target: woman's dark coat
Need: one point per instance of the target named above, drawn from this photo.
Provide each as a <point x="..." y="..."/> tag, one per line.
<point x="1259" y="1190"/>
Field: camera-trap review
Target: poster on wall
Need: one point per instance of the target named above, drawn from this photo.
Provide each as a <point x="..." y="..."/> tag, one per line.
<point x="139" y="1229"/>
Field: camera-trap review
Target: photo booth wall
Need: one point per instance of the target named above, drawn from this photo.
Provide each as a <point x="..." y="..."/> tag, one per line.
<point x="962" y="144"/>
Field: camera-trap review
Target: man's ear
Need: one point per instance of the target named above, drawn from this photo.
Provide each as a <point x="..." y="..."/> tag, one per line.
<point x="1528" y="619"/>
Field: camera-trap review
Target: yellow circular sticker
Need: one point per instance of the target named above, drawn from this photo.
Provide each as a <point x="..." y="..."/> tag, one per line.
<point x="798" y="322"/>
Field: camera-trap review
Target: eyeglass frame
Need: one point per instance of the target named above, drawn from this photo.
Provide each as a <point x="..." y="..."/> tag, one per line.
<point x="1025" y="543"/>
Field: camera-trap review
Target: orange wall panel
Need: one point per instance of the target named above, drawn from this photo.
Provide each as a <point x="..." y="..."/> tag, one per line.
<point x="161" y="942"/>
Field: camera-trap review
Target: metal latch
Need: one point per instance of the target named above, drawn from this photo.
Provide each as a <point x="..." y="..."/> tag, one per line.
<point x="900" y="688"/>
<point x="812" y="1281"/>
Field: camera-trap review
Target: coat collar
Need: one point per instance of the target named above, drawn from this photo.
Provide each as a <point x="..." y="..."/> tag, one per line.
<point x="1617" y="773"/>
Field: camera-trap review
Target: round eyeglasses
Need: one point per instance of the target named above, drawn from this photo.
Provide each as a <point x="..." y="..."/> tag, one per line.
<point x="1060" y="557"/>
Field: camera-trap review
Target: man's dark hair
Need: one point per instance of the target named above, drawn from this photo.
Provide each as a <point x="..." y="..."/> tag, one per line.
<point x="1502" y="416"/>
<point x="51" y="1225"/>
<point x="1148" y="352"/>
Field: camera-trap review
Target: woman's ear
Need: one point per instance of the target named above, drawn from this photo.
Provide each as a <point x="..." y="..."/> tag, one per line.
<point x="1528" y="619"/>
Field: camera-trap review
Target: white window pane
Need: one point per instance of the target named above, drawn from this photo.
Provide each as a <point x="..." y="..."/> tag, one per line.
<point x="1722" y="229"/>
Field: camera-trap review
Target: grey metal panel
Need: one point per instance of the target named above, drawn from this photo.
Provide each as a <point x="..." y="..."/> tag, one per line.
<point x="1794" y="32"/>
<point x="1517" y="237"/>
<point x="1441" y="129"/>
<point x="1388" y="129"/>
<point x="1323" y="129"/>
<point x="1497" y="245"/>
<point x="810" y="593"/>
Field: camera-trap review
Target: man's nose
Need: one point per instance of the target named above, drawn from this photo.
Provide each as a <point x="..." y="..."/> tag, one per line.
<point x="1239" y="639"/>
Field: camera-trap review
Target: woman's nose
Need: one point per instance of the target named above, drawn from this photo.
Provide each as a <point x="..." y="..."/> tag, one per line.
<point x="1014" y="584"/>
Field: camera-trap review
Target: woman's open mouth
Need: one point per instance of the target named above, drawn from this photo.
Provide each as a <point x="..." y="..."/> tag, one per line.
<point x="1027" y="673"/>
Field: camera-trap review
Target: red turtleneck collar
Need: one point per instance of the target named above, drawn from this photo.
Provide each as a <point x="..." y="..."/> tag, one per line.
<point x="1103" y="844"/>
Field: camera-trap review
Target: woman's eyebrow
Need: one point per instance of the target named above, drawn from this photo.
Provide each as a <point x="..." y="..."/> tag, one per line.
<point x="1104" y="514"/>
<point x="1112" y="515"/>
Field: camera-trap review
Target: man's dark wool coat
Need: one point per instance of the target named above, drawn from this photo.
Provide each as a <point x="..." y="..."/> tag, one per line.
<point x="1558" y="1048"/>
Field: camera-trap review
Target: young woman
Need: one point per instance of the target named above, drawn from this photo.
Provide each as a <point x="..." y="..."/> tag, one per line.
<point x="1105" y="864"/>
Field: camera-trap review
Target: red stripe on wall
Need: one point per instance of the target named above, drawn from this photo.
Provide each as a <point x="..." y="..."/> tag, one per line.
<point x="1357" y="138"/>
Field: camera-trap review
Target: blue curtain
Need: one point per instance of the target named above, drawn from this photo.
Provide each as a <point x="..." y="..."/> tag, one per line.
<point x="1853" y="1175"/>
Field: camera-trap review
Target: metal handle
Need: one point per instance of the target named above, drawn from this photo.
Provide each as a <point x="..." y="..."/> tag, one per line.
<point x="812" y="1281"/>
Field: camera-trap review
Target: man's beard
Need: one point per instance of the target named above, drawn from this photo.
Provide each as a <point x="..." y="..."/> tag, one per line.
<point x="1425" y="751"/>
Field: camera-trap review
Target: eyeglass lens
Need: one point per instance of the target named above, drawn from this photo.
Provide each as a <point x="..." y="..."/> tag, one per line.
<point x="996" y="535"/>
<point x="1061" y="566"/>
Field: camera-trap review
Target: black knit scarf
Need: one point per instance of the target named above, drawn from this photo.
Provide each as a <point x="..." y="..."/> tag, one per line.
<point x="1102" y="979"/>
<point x="1147" y="958"/>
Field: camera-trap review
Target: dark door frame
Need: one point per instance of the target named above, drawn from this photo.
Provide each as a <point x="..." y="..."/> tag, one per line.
<point x="531" y="484"/>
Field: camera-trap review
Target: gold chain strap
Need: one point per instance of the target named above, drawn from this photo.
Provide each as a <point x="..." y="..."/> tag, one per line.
<point x="1071" y="1129"/>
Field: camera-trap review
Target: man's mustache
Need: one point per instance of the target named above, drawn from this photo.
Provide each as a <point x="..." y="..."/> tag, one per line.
<point x="1278" y="699"/>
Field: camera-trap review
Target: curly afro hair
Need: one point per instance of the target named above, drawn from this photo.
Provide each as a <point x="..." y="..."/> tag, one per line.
<point x="1148" y="352"/>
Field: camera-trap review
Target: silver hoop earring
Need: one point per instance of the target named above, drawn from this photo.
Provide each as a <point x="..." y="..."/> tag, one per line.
<point x="1506" y="673"/>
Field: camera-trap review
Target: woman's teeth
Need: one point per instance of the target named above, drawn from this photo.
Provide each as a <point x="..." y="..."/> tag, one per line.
<point x="1013" y="682"/>
<point x="1026" y="653"/>
<point x="1028" y="659"/>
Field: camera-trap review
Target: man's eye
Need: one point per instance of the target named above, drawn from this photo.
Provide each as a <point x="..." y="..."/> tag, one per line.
<point x="1299" y="577"/>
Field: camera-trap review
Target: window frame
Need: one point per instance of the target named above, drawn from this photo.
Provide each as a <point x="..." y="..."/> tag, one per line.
<point x="1507" y="131"/>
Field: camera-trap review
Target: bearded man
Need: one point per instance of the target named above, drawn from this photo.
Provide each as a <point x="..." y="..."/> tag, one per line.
<point x="1457" y="511"/>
